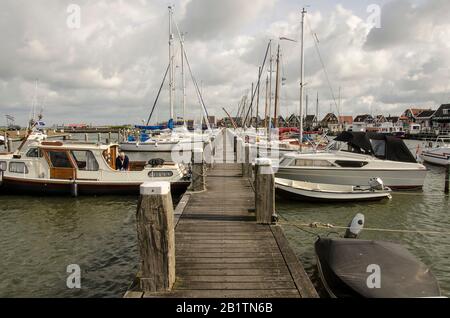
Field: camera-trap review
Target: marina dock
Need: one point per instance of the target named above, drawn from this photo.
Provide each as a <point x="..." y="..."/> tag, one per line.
<point x="221" y="251"/>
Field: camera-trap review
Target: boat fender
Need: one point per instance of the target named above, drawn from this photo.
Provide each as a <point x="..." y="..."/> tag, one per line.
<point x="355" y="227"/>
<point x="74" y="189"/>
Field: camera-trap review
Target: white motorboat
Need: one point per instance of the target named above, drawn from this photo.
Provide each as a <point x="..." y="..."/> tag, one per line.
<point x="307" y="191"/>
<point x="87" y="168"/>
<point x="369" y="155"/>
<point x="438" y="152"/>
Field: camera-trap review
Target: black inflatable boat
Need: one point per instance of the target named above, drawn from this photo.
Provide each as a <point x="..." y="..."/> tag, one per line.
<point x="349" y="267"/>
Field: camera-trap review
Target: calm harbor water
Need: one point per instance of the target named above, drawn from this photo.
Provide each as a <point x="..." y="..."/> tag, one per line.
<point x="40" y="237"/>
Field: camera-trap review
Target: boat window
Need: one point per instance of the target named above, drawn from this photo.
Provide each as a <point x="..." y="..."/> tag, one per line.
<point x="59" y="159"/>
<point x="351" y="163"/>
<point x="284" y="161"/>
<point x="85" y="160"/>
<point x="18" y="167"/>
<point x="34" y="153"/>
<point x="311" y="163"/>
<point x="379" y="147"/>
<point x="160" y="174"/>
<point x="3" y="165"/>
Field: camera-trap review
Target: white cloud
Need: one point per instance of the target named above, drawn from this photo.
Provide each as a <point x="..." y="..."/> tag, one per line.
<point x="110" y="69"/>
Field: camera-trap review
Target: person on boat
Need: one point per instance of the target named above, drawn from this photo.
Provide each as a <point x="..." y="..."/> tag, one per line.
<point x="122" y="162"/>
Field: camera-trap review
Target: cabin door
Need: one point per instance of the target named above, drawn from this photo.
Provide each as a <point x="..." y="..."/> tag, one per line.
<point x="61" y="165"/>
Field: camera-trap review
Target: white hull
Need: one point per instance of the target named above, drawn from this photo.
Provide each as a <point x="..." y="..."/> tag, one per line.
<point x="326" y="192"/>
<point x="148" y="147"/>
<point x="439" y="156"/>
<point x="398" y="179"/>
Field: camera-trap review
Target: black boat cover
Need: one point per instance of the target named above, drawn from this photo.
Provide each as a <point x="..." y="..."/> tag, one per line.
<point x="344" y="264"/>
<point x="379" y="145"/>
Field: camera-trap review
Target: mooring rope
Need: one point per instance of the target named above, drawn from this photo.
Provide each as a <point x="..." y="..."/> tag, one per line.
<point x="320" y="225"/>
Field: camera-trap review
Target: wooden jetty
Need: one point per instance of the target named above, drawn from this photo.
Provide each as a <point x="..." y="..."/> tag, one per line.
<point x="220" y="249"/>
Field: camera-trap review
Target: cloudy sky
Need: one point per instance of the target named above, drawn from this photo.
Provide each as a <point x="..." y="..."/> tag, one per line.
<point x="109" y="70"/>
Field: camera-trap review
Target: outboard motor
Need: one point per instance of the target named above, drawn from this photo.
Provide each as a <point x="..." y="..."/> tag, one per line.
<point x="355" y="227"/>
<point x="376" y="184"/>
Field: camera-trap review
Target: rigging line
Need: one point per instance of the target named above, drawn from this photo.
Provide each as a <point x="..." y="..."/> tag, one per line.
<point x="316" y="45"/>
<point x="259" y="81"/>
<point x="319" y="225"/>
<point x="158" y="95"/>
<point x="199" y="93"/>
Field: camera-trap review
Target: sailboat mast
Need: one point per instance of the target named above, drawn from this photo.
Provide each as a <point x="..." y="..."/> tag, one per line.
<point x="267" y="102"/>
<point x="172" y="70"/>
<point x="270" y="89"/>
<point x="257" y="99"/>
<point x="317" y="108"/>
<point x="183" y="79"/>
<point x="302" y="75"/>
<point x="277" y="88"/>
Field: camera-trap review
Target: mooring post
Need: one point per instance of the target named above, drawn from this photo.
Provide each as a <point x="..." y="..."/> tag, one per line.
<point x="264" y="191"/>
<point x="198" y="170"/>
<point x="246" y="164"/>
<point x="447" y="177"/>
<point x="235" y="147"/>
<point x="224" y="145"/>
<point x="156" y="237"/>
<point x="209" y="153"/>
<point x="10" y="145"/>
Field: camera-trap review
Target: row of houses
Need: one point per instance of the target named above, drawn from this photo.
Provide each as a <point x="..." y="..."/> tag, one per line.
<point x="412" y="121"/>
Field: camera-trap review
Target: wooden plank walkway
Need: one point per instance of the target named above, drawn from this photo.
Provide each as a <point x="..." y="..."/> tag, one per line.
<point x="221" y="252"/>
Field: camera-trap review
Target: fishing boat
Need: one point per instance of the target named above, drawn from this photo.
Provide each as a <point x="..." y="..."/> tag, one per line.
<point x="306" y="191"/>
<point x="81" y="168"/>
<point x="439" y="152"/>
<point x="367" y="156"/>
<point x="351" y="267"/>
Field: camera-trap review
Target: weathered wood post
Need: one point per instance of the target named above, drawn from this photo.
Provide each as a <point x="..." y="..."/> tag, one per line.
<point x="246" y="164"/>
<point x="99" y="137"/>
<point x="447" y="177"/>
<point x="86" y="137"/>
<point x="198" y="170"/>
<point x="224" y="145"/>
<point x="156" y="237"/>
<point x="264" y="191"/>
<point x="235" y="147"/>
<point x="10" y="145"/>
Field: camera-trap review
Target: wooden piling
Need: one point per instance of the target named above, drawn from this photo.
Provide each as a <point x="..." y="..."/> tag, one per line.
<point x="9" y="145"/>
<point x="224" y="145"/>
<point x="246" y="165"/>
<point x="447" y="179"/>
<point x="264" y="191"/>
<point x="99" y="137"/>
<point x="86" y="137"/>
<point x="156" y="237"/>
<point x="235" y="147"/>
<point x="198" y="171"/>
